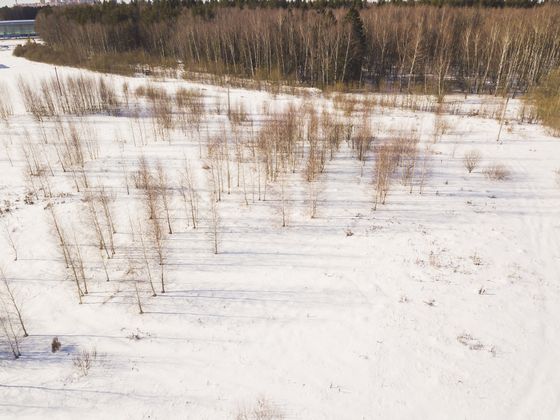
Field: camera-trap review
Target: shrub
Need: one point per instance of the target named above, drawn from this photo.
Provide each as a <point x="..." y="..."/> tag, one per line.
<point x="125" y="63"/>
<point x="46" y="54"/>
<point x="471" y="160"/>
<point x="546" y="99"/>
<point x="497" y="172"/>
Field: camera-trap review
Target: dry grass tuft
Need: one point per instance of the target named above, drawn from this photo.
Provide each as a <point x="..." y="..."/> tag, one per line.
<point x="497" y="172"/>
<point x="84" y="360"/>
<point x="262" y="410"/>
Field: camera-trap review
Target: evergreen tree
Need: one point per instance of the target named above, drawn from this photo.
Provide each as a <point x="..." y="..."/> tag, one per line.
<point x="357" y="46"/>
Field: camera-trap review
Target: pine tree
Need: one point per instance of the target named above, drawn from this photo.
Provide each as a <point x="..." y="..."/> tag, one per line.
<point x="357" y="47"/>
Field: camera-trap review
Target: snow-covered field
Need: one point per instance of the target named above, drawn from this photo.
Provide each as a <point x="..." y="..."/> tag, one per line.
<point x="440" y="305"/>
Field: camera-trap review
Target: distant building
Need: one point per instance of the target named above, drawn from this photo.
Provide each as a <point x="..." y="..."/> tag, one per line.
<point x="43" y="3"/>
<point x="67" y="2"/>
<point x="17" y="28"/>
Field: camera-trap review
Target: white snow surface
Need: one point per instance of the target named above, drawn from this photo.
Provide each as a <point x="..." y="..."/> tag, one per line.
<point x="388" y="323"/>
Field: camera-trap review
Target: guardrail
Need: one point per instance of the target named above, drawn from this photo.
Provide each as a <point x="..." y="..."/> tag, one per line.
<point x="14" y="29"/>
<point x="18" y="36"/>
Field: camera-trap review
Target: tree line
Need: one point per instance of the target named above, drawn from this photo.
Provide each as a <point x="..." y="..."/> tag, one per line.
<point x="413" y="48"/>
<point x="19" y="12"/>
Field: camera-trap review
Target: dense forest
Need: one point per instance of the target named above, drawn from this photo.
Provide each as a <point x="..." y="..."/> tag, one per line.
<point x="418" y="47"/>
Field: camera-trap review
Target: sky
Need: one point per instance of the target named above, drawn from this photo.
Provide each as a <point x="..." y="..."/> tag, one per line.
<point x="12" y="2"/>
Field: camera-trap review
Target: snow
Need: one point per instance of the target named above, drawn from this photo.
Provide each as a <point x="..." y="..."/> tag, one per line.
<point x="440" y="305"/>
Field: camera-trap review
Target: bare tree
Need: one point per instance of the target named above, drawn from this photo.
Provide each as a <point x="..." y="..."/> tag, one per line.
<point x="441" y="126"/>
<point x="78" y="260"/>
<point x="362" y="140"/>
<point x="502" y="118"/>
<point x="36" y="166"/>
<point x="406" y="151"/>
<point x="105" y="199"/>
<point x="95" y="222"/>
<point x="313" y="193"/>
<point x="160" y="107"/>
<point x="164" y="191"/>
<point x="72" y="258"/>
<point x="146" y="258"/>
<point x="153" y="189"/>
<point x="10" y="239"/>
<point x="13" y="301"/>
<point x="59" y="233"/>
<point x="7" y="328"/>
<point x="384" y="167"/>
<point x="190" y="194"/>
<point x="284" y="199"/>
<point x="132" y="274"/>
<point x="157" y="236"/>
<point x="138" y="301"/>
<point x="145" y="180"/>
<point x="424" y="171"/>
<point x="214" y="218"/>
